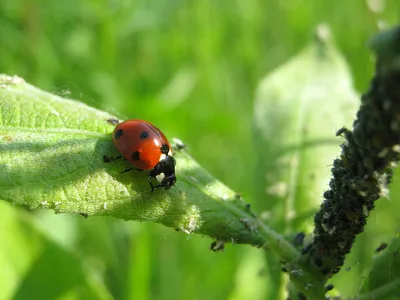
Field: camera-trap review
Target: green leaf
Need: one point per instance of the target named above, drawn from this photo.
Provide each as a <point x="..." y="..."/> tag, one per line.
<point x="65" y="268"/>
<point x="24" y="261"/>
<point x="383" y="280"/>
<point x="51" y="156"/>
<point x="298" y="109"/>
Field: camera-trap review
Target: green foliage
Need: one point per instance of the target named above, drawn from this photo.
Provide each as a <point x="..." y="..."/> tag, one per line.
<point x="383" y="280"/>
<point x="191" y="67"/>
<point x="32" y="263"/>
<point x="297" y="110"/>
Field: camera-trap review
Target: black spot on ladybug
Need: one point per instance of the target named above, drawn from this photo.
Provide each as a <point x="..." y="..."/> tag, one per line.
<point x="118" y="134"/>
<point x="164" y="149"/>
<point x="135" y="155"/>
<point x="144" y="135"/>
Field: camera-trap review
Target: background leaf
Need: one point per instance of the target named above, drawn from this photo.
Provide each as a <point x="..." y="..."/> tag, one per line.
<point x="24" y="263"/>
<point x="298" y="109"/>
<point x="383" y="280"/>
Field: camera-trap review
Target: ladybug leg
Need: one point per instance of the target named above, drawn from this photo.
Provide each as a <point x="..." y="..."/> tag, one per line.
<point x="110" y="159"/>
<point x="166" y="183"/>
<point x="152" y="186"/>
<point x="127" y="170"/>
<point x="155" y="186"/>
<point x="130" y="169"/>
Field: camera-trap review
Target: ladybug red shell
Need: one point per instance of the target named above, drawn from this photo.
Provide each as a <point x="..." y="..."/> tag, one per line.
<point x="146" y="148"/>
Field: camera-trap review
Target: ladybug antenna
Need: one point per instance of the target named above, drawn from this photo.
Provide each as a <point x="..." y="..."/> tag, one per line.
<point x="180" y="192"/>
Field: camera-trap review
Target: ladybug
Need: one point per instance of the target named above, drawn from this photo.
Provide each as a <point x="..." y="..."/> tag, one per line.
<point x="146" y="148"/>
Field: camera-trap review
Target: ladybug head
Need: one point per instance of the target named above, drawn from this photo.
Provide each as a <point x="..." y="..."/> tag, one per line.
<point x="164" y="173"/>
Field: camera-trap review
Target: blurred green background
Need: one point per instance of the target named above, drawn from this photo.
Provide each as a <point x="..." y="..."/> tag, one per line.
<point x="191" y="68"/>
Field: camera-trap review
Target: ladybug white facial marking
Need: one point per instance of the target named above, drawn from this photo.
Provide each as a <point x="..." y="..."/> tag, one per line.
<point x="160" y="177"/>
